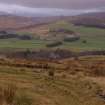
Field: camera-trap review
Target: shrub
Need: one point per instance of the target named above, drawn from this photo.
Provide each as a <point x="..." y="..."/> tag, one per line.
<point x="71" y="39"/>
<point x="84" y="41"/>
<point x="27" y="53"/>
<point x="25" y="37"/>
<point x="54" y="44"/>
<point x="51" y="73"/>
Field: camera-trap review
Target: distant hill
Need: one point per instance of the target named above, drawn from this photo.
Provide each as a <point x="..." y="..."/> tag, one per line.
<point x="3" y="13"/>
<point x="90" y="20"/>
<point x="20" y="23"/>
<point x="93" y="14"/>
<point x="12" y="22"/>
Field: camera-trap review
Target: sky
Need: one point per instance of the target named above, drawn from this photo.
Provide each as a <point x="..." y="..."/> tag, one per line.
<point x="68" y="4"/>
<point x="51" y="7"/>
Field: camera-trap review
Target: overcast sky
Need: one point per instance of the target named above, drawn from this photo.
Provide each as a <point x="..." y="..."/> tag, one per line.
<point x="51" y="7"/>
<point x="69" y="4"/>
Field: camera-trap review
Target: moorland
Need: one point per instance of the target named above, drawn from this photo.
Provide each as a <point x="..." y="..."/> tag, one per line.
<point x="53" y="61"/>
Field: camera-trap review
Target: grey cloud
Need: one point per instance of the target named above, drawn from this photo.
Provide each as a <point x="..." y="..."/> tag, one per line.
<point x="75" y="4"/>
<point x="32" y="11"/>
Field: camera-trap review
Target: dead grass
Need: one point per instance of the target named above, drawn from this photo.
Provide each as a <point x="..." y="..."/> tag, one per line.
<point x="65" y="88"/>
<point x="10" y="96"/>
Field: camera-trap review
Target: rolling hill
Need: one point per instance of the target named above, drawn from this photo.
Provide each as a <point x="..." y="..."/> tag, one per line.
<point x="13" y="22"/>
<point x="90" y="20"/>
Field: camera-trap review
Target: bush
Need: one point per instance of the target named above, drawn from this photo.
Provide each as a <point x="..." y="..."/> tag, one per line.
<point x="84" y="41"/>
<point x="54" y="44"/>
<point x="71" y="39"/>
<point x="25" y="37"/>
<point x="27" y="53"/>
<point x="51" y="73"/>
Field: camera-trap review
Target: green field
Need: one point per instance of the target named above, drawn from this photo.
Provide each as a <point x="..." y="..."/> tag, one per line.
<point x="95" y="39"/>
<point x="15" y="43"/>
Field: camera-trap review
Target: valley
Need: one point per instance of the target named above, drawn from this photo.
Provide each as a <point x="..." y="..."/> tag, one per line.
<point x="52" y="60"/>
<point x="89" y="38"/>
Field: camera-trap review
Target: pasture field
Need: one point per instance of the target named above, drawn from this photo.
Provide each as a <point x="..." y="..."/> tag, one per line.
<point x="94" y="37"/>
<point x="15" y="43"/>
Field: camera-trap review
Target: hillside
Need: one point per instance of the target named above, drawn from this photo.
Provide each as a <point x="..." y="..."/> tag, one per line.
<point x="73" y="83"/>
<point x="90" y="20"/>
<point x="52" y="60"/>
<point x="89" y="38"/>
<point x="51" y="31"/>
<point x="13" y="22"/>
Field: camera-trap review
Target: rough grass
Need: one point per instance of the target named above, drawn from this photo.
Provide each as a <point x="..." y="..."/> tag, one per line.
<point x="63" y="89"/>
<point x="10" y="96"/>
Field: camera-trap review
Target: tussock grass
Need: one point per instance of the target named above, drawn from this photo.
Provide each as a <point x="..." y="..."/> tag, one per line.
<point x="10" y="96"/>
<point x="65" y="84"/>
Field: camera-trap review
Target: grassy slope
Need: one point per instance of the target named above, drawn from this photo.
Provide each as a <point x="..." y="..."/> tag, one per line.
<point x="60" y="91"/>
<point x="65" y="89"/>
